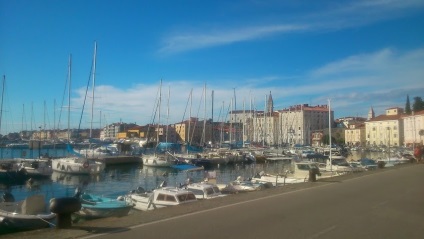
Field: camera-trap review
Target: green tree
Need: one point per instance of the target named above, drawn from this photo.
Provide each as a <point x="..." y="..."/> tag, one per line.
<point x="418" y="104"/>
<point x="326" y="141"/>
<point x="407" y="106"/>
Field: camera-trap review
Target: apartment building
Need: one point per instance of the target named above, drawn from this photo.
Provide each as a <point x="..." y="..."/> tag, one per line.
<point x="298" y="122"/>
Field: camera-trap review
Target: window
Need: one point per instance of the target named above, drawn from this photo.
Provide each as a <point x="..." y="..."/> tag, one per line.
<point x="160" y="197"/>
<point x="170" y="198"/>
<point x="186" y="197"/>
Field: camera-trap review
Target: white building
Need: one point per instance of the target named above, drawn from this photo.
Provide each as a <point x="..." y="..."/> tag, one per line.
<point x="412" y="126"/>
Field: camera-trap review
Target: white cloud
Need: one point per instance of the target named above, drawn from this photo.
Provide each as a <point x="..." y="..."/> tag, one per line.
<point x="190" y="41"/>
<point x="335" y="16"/>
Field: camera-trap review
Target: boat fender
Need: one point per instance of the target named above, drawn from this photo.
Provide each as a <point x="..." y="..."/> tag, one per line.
<point x="65" y="205"/>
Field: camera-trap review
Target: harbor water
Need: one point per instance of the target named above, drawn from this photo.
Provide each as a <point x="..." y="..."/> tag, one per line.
<point x="118" y="180"/>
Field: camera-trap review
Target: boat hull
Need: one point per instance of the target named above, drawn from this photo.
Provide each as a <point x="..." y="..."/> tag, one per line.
<point x="20" y="222"/>
<point x="77" y="166"/>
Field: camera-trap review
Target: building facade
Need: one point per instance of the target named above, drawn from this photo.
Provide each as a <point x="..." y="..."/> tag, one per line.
<point x="413" y="127"/>
<point x="193" y="131"/>
<point x="355" y="135"/>
<point x="298" y="122"/>
<point x="385" y="129"/>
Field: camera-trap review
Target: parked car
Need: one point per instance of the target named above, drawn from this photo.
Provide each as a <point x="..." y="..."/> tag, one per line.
<point x="368" y="164"/>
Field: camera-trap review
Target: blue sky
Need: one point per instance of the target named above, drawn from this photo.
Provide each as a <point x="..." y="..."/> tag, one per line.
<point x="357" y="53"/>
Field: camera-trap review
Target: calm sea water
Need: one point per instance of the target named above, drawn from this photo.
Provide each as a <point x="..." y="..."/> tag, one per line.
<point x="120" y="179"/>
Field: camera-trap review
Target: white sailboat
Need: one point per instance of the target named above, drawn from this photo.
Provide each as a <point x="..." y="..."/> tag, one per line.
<point x="158" y="159"/>
<point x="75" y="164"/>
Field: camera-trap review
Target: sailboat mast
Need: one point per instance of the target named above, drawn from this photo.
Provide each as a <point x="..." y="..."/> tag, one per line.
<point x="69" y="98"/>
<point x="189" y="117"/>
<point x="329" y="132"/>
<point x="160" y="100"/>
<point x="2" y="96"/>
<point x="204" y="116"/>
<point x="94" y="84"/>
<point x="244" y="121"/>
<point x="167" y="111"/>
<point x="212" y="124"/>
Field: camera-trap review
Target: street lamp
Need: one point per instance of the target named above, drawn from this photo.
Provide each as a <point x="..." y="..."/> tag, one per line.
<point x="388" y="161"/>
<point x="388" y="129"/>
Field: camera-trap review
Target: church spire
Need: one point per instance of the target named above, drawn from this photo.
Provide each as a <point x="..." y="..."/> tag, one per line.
<point x="371" y="113"/>
<point x="270" y="104"/>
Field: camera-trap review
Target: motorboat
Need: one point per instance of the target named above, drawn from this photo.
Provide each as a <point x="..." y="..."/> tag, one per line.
<point x="36" y="168"/>
<point x="95" y="206"/>
<point x="300" y="172"/>
<point x="102" y="151"/>
<point x="28" y="214"/>
<point x="203" y="190"/>
<point x="11" y="172"/>
<point x="336" y="167"/>
<point x="77" y="165"/>
<point x="159" y="198"/>
<point x="158" y="160"/>
<point x="243" y="185"/>
<point x="278" y="179"/>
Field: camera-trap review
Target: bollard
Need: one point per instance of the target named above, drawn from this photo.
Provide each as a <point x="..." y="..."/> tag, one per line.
<point x="64" y="207"/>
<point x="312" y="175"/>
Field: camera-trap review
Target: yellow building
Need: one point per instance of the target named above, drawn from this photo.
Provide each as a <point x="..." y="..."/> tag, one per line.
<point x="355" y="135"/>
<point x="193" y="131"/>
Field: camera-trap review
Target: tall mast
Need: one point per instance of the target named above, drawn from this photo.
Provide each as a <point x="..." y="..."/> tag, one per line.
<point x="329" y="132"/>
<point x="54" y="119"/>
<point x="44" y="121"/>
<point x="167" y="117"/>
<point x="244" y="121"/>
<point x="94" y="84"/>
<point x="189" y="117"/>
<point x="23" y="114"/>
<point x="2" y="96"/>
<point x="160" y="100"/>
<point x="204" y="119"/>
<point x="69" y="97"/>
<point x="212" y="124"/>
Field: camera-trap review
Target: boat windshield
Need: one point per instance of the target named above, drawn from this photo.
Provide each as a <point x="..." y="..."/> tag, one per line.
<point x="304" y="166"/>
<point x="186" y="197"/>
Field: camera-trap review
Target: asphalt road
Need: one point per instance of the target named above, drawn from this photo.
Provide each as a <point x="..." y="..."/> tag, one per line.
<point x="386" y="204"/>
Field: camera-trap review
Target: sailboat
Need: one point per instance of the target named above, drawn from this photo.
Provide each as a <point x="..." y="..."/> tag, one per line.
<point x="75" y="164"/>
<point x="161" y="157"/>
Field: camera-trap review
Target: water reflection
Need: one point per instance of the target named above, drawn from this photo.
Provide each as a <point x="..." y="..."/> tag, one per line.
<point x="74" y="179"/>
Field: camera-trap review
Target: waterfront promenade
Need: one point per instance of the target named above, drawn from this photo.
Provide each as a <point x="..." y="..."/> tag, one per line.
<point x="385" y="203"/>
